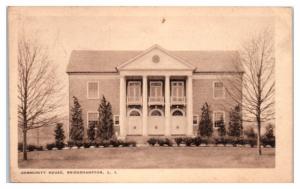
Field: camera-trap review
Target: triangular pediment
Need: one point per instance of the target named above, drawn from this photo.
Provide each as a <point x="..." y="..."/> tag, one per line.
<point x="156" y="58"/>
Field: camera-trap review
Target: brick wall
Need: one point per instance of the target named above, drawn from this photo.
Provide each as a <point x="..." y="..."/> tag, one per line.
<point x="108" y="86"/>
<point x="203" y="92"/>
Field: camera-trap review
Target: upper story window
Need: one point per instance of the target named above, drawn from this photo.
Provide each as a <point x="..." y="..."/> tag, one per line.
<point x="177" y="88"/>
<point x="92" y="118"/>
<point x="219" y="91"/>
<point x="156" y="89"/>
<point x="218" y="117"/>
<point x="92" y="90"/>
<point x="134" y="89"/>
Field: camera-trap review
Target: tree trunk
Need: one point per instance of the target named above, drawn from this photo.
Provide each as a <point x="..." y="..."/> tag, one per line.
<point x="24" y="144"/>
<point x="258" y="137"/>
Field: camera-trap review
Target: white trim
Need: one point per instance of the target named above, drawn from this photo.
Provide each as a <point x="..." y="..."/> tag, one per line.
<point x="155" y="46"/>
<point x="161" y="88"/>
<point x="87" y="116"/>
<point x="182" y="88"/>
<point x="87" y="90"/>
<point x="213" y="76"/>
<point x="198" y="119"/>
<point x="150" y="112"/>
<point x="114" y="118"/>
<point x="218" y="111"/>
<point x="177" y="109"/>
<point x="139" y="85"/>
<point x="134" y="109"/>
<point x="160" y="72"/>
<point x="222" y="97"/>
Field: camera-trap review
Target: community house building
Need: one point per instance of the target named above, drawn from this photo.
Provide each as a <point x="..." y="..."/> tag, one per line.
<point x="155" y="92"/>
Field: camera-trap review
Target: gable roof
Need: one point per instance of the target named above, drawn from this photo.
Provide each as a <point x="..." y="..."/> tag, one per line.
<point x="88" y="61"/>
<point x="157" y="47"/>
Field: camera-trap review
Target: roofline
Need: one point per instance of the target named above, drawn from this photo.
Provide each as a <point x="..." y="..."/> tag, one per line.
<point x="151" y="48"/>
<point x="108" y="72"/>
<point x="241" y="72"/>
<point x="195" y="72"/>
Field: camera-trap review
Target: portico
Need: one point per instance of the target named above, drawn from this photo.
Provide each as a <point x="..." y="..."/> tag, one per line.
<point x="156" y="99"/>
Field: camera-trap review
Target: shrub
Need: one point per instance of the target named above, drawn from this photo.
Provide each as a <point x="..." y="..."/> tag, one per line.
<point x="59" y="146"/>
<point x="265" y="141"/>
<point x="31" y="147"/>
<point x="188" y="141"/>
<point x="220" y="140"/>
<point x="241" y="141"/>
<point x="168" y="142"/>
<point x="126" y="144"/>
<point x="131" y="143"/>
<point x="205" y="124"/>
<point x="250" y="133"/>
<point x="78" y="143"/>
<point x="251" y="141"/>
<point x="115" y="143"/>
<point x="269" y="138"/>
<point x="76" y="125"/>
<point x="59" y="136"/>
<point x="105" y="126"/>
<point x="178" y="141"/>
<point x="152" y="141"/>
<point x="161" y="142"/>
<point x="91" y="132"/>
<point x="39" y="148"/>
<point x="86" y="144"/>
<point x="105" y="143"/>
<point x="70" y="144"/>
<point x="232" y="140"/>
<point x="197" y="141"/>
<point x="50" y="146"/>
<point x="235" y="127"/>
<point x="20" y="147"/>
<point x="204" y="141"/>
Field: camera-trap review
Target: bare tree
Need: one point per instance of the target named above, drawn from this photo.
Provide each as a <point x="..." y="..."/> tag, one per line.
<point x="258" y="82"/>
<point x="38" y="88"/>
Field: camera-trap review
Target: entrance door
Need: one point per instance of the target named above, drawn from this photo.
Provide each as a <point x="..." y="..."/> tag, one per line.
<point x="135" y="124"/>
<point x="178" y="122"/>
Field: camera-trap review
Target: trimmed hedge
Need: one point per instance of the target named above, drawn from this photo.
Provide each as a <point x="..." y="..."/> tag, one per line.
<point x="152" y="141"/>
<point x="30" y="147"/>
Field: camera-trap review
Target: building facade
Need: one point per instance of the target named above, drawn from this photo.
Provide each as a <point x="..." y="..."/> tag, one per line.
<point x="155" y="92"/>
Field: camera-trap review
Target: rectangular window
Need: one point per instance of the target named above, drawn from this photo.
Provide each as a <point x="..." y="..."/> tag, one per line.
<point x="177" y="88"/>
<point x="218" y="116"/>
<point x="116" y="120"/>
<point x="92" y="118"/>
<point x="134" y="89"/>
<point x="93" y="92"/>
<point x="156" y="89"/>
<point x="219" y="91"/>
<point x="195" y="120"/>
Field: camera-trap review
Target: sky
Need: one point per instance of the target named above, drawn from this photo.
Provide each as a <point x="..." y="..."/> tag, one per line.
<point x="62" y="30"/>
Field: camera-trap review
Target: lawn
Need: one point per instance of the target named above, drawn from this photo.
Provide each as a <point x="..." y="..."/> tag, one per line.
<point x="151" y="157"/>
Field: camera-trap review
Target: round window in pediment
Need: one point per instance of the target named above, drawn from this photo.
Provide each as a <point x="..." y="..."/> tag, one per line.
<point x="155" y="59"/>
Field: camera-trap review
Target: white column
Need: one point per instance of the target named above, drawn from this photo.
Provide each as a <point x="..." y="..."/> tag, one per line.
<point x="189" y="96"/>
<point x="167" y="106"/>
<point x="122" y="107"/>
<point x="145" y="106"/>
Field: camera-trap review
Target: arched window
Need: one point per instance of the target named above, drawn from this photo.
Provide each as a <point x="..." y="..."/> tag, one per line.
<point x="156" y="112"/>
<point x="134" y="112"/>
<point x="177" y="112"/>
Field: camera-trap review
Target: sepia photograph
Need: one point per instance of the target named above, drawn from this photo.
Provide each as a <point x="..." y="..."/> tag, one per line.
<point x="145" y="94"/>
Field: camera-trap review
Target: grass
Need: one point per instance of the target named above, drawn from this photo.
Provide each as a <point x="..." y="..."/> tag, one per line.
<point x="151" y="157"/>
